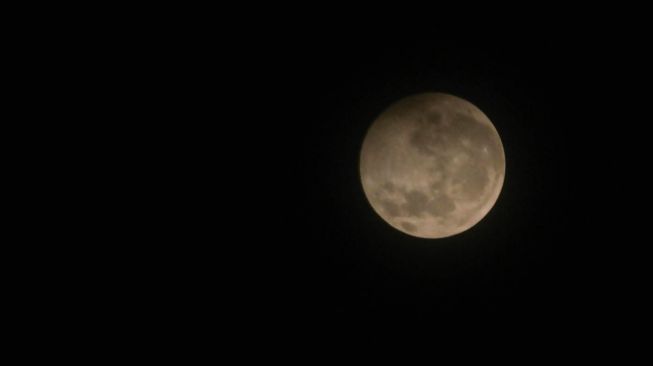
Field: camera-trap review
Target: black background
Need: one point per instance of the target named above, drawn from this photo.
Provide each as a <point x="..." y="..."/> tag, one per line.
<point x="548" y="257"/>
<point x="265" y="152"/>
<point x="216" y="169"/>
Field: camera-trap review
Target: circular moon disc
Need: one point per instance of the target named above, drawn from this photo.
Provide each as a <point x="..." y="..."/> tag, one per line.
<point x="432" y="165"/>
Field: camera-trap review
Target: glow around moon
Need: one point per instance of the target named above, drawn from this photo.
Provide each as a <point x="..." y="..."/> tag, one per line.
<point x="432" y="165"/>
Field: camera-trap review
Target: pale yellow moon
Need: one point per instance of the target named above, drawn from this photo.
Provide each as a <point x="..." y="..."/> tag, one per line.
<point x="432" y="165"/>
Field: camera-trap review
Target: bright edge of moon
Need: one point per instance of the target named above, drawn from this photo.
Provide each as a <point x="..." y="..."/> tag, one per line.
<point x="432" y="165"/>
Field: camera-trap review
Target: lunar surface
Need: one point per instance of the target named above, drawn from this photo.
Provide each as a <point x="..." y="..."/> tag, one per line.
<point x="432" y="165"/>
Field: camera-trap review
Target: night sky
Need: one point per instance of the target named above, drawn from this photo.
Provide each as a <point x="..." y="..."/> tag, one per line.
<point x="548" y="257"/>
<point x="212" y="168"/>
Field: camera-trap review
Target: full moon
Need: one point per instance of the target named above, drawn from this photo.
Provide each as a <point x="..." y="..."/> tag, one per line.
<point x="432" y="165"/>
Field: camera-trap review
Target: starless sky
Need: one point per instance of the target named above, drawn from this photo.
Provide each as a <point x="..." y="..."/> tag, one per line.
<point x="532" y="254"/>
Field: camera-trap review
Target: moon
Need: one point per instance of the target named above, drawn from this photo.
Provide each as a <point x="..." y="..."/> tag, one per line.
<point x="432" y="165"/>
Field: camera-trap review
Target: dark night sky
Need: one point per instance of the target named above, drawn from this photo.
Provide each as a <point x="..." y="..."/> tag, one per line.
<point x="228" y="171"/>
<point x="550" y="255"/>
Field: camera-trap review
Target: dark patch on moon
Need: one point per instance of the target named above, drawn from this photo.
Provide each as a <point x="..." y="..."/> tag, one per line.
<point x="440" y="206"/>
<point x="390" y="207"/>
<point x="437" y="186"/>
<point x="408" y="226"/>
<point x="415" y="203"/>
<point x="429" y="141"/>
<point x="389" y="187"/>
<point x="421" y="140"/>
<point x="433" y="117"/>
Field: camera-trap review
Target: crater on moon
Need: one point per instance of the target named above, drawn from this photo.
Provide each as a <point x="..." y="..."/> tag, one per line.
<point x="432" y="165"/>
